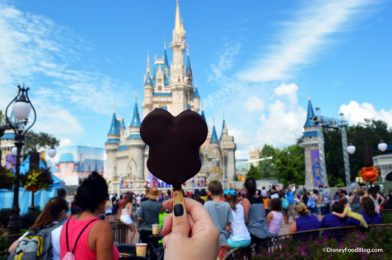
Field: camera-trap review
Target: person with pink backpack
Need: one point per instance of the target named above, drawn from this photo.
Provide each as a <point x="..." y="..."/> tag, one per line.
<point x="84" y="236"/>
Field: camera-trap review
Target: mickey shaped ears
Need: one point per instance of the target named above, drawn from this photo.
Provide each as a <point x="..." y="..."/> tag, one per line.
<point x="174" y="144"/>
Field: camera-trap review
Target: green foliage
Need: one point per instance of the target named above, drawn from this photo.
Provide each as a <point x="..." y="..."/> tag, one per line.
<point x="287" y="165"/>
<point x="368" y="135"/>
<point x="267" y="167"/>
<point x="254" y="172"/>
<point x="6" y="178"/>
<point x="36" y="180"/>
<point x="290" y="165"/>
<point x="38" y="140"/>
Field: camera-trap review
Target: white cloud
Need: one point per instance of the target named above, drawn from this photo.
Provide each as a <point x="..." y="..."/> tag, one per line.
<point x="65" y="142"/>
<point x="355" y="112"/>
<point x="224" y="63"/>
<point x="289" y="91"/>
<point x="281" y="125"/>
<point x="254" y="103"/>
<point x="257" y="114"/>
<point x="302" y="38"/>
<point x="35" y="50"/>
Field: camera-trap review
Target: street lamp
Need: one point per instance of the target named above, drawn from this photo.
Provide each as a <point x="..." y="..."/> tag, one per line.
<point x="382" y="147"/>
<point x="52" y="152"/>
<point x="19" y="122"/>
<point x="351" y="149"/>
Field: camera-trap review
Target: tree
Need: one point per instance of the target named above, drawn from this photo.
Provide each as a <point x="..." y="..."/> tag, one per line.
<point x="290" y="165"/>
<point x="267" y="167"/>
<point x="361" y="135"/>
<point x="254" y="172"/>
<point x="35" y="140"/>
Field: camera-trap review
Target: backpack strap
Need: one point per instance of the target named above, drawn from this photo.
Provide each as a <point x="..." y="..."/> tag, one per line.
<point x="80" y="234"/>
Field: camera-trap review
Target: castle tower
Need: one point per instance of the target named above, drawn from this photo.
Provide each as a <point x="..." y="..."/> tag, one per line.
<point x="148" y="89"/>
<point x="136" y="147"/>
<point x="214" y="148"/>
<point x="313" y="144"/>
<point x="228" y="148"/>
<point x="111" y="146"/>
<point x="168" y="86"/>
<point x="179" y="86"/>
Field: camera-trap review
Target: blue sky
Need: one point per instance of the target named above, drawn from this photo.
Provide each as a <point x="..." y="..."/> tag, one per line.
<point x="254" y="61"/>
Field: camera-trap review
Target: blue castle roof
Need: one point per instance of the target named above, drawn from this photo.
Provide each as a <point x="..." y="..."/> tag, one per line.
<point x="135" y="122"/>
<point x="309" y="116"/>
<point x="188" y="68"/>
<point x="196" y="93"/>
<point x="223" y="127"/>
<point x="122" y="123"/>
<point x="148" y="80"/>
<point x="114" y="127"/>
<point x="66" y="157"/>
<point x="214" y="136"/>
<point x="8" y="136"/>
<point x="165" y="59"/>
<point x="203" y="116"/>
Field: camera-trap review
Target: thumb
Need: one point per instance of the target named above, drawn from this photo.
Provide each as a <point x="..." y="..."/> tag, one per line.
<point x="180" y="219"/>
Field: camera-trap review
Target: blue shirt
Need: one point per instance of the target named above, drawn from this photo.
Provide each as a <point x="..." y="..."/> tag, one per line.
<point x="290" y="197"/>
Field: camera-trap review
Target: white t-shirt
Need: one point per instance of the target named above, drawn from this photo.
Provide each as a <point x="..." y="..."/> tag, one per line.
<point x="56" y="242"/>
<point x="239" y="230"/>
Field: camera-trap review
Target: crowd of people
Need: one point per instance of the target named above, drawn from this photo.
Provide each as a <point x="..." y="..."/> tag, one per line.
<point x="218" y="219"/>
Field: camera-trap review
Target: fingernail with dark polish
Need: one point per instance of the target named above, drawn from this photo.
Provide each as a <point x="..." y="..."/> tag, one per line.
<point x="178" y="210"/>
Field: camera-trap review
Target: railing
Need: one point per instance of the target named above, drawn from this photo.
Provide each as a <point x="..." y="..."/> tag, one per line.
<point x="269" y="245"/>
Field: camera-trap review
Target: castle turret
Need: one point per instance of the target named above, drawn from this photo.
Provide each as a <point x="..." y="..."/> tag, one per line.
<point x="214" y="145"/>
<point x="135" y="147"/>
<point x="228" y="148"/>
<point x="178" y="84"/>
<point x="148" y="89"/>
<point x="111" y="146"/>
<point x="313" y="144"/>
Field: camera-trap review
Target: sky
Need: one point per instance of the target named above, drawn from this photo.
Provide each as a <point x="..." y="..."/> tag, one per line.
<point x="255" y="63"/>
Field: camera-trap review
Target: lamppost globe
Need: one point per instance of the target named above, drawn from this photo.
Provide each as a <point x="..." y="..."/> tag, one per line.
<point x="14" y="150"/>
<point x="52" y="152"/>
<point x="382" y="146"/>
<point x="351" y="149"/>
<point x="21" y="109"/>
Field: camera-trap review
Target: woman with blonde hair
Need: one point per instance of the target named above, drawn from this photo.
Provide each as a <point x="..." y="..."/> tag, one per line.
<point x="304" y="221"/>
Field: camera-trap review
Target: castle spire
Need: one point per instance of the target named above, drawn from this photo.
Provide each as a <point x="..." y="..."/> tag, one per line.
<point x="188" y="68"/>
<point x="310" y="114"/>
<point x="148" y="65"/>
<point x="147" y="77"/>
<point x="177" y="23"/>
<point x="135" y="122"/>
<point x="165" y="59"/>
<point x="114" y="126"/>
<point x="224" y="129"/>
<point x="214" y="136"/>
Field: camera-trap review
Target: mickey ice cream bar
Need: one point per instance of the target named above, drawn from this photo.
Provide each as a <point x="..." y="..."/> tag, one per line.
<point x="174" y="144"/>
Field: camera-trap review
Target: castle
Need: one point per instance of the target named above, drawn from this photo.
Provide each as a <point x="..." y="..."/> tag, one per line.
<point x="313" y="144"/>
<point x="167" y="86"/>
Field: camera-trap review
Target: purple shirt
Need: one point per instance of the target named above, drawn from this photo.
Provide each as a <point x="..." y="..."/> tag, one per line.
<point x="372" y="220"/>
<point x="330" y="220"/>
<point x="307" y="222"/>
